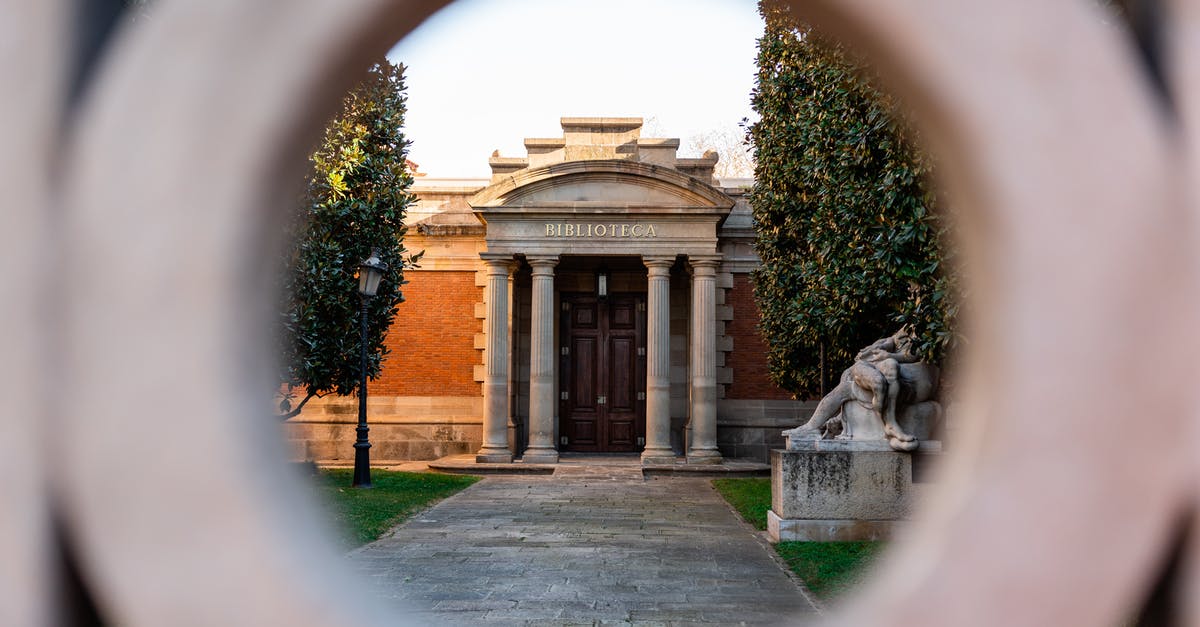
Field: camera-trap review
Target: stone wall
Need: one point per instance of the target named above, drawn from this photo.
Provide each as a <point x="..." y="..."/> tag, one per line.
<point x="749" y="429"/>
<point x="402" y="428"/>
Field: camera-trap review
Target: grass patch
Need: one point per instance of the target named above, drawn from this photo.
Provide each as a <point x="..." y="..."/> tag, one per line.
<point x="827" y="568"/>
<point x="750" y="497"/>
<point x="366" y="514"/>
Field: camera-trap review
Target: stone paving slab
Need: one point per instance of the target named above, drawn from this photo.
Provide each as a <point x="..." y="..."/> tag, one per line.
<point x="586" y="546"/>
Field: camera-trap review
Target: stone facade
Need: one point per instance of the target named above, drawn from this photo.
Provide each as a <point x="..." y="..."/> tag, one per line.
<point x="490" y="352"/>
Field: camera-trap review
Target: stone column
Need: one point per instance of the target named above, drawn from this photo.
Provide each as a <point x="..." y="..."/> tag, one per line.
<point x="495" y="382"/>
<point x="513" y="369"/>
<point x="658" y="362"/>
<point x="541" y="367"/>
<point x="703" y="447"/>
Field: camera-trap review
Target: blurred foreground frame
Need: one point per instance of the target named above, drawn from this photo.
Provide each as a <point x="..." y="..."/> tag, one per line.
<point x="140" y="211"/>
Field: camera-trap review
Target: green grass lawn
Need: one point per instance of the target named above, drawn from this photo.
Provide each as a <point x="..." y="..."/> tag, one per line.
<point x="750" y="497"/>
<point x="829" y="568"/>
<point x="365" y="514"/>
<point x="826" y="568"/>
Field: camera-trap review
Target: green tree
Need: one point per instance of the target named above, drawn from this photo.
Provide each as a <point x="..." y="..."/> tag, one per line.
<point x="356" y="201"/>
<point x="849" y="242"/>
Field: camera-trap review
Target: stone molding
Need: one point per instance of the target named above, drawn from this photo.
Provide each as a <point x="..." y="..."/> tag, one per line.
<point x="691" y="191"/>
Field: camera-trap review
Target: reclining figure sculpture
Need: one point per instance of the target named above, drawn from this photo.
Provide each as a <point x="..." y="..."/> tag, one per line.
<point x="887" y="394"/>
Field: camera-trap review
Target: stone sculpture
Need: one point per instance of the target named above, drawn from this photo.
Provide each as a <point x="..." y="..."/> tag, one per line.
<point x="888" y="394"/>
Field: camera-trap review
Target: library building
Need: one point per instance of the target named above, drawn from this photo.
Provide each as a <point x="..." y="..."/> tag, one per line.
<point x="592" y="297"/>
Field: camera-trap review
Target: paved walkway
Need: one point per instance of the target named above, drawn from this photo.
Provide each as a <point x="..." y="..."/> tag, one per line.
<point x="586" y="546"/>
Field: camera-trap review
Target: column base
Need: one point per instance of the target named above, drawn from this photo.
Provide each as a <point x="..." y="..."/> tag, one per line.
<point x="704" y="457"/>
<point x="493" y="456"/>
<point x="656" y="456"/>
<point x="540" y="456"/>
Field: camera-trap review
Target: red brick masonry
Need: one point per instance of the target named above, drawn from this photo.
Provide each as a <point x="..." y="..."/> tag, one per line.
<point x="433" y="338"/>
<point x="749" y="357"/>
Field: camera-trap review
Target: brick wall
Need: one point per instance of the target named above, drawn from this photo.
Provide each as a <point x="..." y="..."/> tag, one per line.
<point x="749" y="357"/>
<point x="432" y="340"/>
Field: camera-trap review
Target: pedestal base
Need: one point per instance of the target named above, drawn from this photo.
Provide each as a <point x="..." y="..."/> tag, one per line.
<point x="540" y="456"/>
<point x="493" y="456"/>
<point x="839" y="491"/>
<point x="655" y="457"/>
<point x="703" y="457"/>
<point x="800" y="530"/>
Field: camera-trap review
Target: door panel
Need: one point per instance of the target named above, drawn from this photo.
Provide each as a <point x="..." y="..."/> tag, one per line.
<point x="624" y="315"/>
<point x="603" y="373"/>
<point x="622" y="395"/>
<point x="584" y="391"/>
<point x="584" y="315"/>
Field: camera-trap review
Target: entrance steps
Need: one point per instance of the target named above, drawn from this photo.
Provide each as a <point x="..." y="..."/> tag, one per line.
<point x="601" y="465"/>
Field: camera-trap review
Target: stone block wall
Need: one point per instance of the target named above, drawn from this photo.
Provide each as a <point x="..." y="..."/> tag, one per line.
<point x="402" y="429"/>
<point x="750" y="429"/>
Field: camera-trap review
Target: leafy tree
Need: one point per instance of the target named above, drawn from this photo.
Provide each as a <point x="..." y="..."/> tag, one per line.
<point x="845" y="224"/>
<point x="356" y="201"/>
<point x="736" y="160"/>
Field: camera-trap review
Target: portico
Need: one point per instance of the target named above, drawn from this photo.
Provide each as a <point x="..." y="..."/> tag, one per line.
<point x="600" y="244"/>
<point x="593" y="296"/>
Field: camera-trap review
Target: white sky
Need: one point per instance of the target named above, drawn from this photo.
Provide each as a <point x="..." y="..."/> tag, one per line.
<point x="485" y="74"/>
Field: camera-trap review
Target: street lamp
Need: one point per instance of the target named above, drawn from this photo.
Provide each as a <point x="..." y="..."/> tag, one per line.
<point x="370" y="272"/>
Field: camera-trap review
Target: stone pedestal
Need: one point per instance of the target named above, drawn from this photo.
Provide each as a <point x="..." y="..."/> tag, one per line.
<point x="833" y="490"/>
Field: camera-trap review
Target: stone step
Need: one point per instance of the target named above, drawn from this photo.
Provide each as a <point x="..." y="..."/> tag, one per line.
<point x="378" y="416"/>
<point x="569" y="467"/>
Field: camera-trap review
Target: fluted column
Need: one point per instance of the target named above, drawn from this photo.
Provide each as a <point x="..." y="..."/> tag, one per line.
<point x="703" y="446"/>
<point x="495" y="382"/>
<point x="541" y="367"/>
<point x="658" y="362"/>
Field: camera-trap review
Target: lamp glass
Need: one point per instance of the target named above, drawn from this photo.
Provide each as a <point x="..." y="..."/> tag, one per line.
<point x="602" y="283"/>
<point x="370" y="273"/>
<point x="368" y="281"/>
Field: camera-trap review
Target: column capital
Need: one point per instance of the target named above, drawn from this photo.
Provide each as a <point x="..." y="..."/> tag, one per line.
<point x="704" y="264"/>
<point x="542" y="261"/>
<point x="658" y="261"/>
<point x="496" y="262"/>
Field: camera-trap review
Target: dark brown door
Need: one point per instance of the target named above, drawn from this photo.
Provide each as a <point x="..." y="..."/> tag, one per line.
<point x="602" y="373"/>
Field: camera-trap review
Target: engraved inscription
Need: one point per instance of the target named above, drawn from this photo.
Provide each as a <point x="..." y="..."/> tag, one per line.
<point x="588" y="230"/>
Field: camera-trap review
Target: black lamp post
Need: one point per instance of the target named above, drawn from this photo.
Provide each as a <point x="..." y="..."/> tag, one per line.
<point x="370" y="272"/>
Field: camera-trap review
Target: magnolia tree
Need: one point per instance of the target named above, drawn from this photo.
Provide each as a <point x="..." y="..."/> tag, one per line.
<point x="355" y="202"/>
<point x="850" y="244"/>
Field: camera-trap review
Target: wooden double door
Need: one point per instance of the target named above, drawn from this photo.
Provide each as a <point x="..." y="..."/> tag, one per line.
<point x="602" y="373"/>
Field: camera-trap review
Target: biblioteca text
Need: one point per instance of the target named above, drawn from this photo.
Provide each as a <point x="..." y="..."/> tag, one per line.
<point x="600" y="230"/>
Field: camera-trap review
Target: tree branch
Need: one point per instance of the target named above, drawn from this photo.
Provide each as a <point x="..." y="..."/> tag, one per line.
<point x="298" y="408"/>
